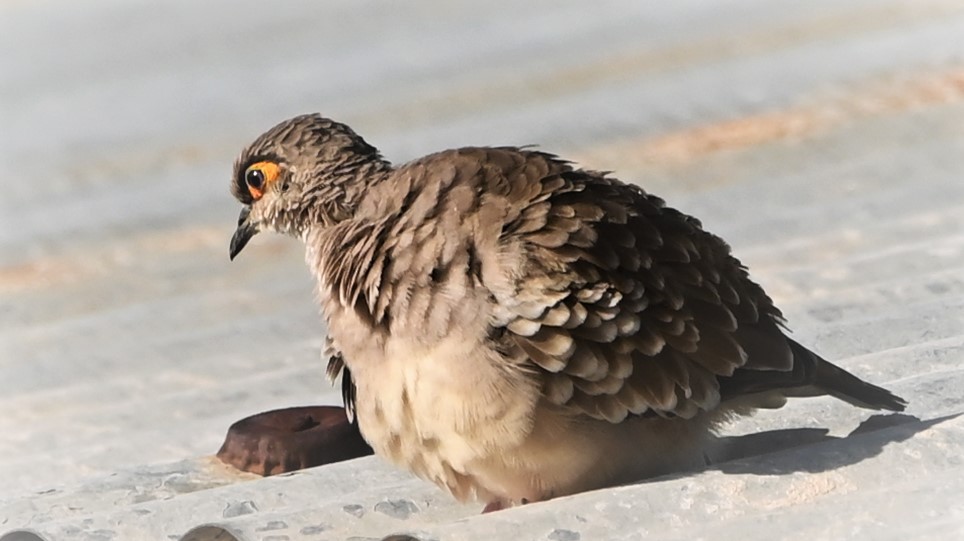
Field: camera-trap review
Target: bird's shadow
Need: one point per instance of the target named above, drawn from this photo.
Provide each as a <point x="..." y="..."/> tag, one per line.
<point x="774" y="452"/>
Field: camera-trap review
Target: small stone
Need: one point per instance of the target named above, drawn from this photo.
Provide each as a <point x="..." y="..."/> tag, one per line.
<point x="237" y="509"/>
<point x="564" y="535"/>
<point x="354" y="510"/>
<point x="312" y="530"/>
<point x="397" y="508"/>
<point x="273" y="525"/>
<point x="101" y="535"/>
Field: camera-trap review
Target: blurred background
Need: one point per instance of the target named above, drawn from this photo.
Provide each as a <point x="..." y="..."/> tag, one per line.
<point x="823" y="139"/>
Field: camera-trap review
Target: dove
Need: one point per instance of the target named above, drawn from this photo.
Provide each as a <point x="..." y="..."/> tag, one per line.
<point x="514" y="328"/>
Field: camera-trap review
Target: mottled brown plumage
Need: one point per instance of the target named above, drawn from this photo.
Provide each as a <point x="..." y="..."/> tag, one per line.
<point x="516" y="328"/>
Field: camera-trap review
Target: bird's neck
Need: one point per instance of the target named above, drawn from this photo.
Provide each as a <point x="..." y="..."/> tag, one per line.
<point x="337" y="197"/>
<point x="346" y="260"/>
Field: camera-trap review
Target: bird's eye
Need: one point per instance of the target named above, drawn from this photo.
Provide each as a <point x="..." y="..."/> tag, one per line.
<point x="259" y="175"/>
<point x="255" y="178"/>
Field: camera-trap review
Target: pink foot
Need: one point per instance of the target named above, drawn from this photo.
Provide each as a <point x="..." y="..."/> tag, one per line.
<point x="494" y="505"/>
<point x="498" y="505"/>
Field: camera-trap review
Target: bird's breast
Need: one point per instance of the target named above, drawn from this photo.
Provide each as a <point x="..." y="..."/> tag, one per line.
<point x="438" y="409"/>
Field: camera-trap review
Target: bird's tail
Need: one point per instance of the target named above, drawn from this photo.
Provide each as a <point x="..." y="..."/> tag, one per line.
<point x="837" y="382"/>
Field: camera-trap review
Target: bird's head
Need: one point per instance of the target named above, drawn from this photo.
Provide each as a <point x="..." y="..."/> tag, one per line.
<point x="305" y="171"/>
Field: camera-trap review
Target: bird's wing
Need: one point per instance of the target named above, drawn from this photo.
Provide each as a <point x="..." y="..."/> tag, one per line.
<point x="336" y="367"/>
<point x="625" y="306"/>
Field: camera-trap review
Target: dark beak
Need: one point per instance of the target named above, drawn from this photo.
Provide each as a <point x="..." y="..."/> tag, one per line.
<point x="243" y="233"/>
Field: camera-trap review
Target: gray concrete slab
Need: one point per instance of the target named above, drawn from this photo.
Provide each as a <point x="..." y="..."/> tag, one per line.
<point x="822" y="139"/>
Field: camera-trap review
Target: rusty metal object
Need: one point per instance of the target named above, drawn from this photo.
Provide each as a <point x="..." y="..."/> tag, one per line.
<point x="291" y="439"/>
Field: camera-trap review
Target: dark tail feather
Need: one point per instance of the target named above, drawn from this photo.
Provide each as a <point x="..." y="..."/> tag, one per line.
<point x="837" y="382"/>
<point x="841" y="384"/>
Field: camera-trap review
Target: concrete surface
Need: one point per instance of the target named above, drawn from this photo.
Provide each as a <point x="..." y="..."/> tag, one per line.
<point x="823" y="139"/>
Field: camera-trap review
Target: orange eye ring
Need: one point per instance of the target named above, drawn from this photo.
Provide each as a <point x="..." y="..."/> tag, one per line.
<point x="259" y="175"/>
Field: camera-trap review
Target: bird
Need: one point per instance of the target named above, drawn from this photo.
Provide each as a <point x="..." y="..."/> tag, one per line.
<point x="514" y="328"/>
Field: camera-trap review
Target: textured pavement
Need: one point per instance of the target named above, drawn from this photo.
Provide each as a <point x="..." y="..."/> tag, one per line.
<point x="824" y="140"/>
